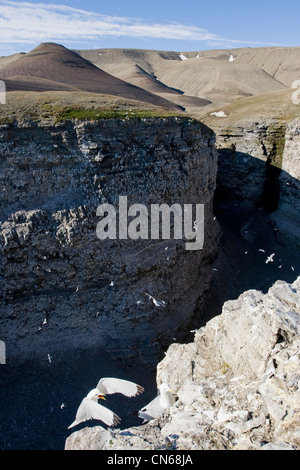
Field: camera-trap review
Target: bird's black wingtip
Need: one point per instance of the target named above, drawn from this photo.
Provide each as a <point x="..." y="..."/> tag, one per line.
<point x="117" y="420"/>
<point x="140" y="390"/>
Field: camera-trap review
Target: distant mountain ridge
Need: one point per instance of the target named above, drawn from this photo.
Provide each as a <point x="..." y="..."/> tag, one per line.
<point x="218" y="76"/>
<point x="53" y="67"/>
<point x="197" y="81"/>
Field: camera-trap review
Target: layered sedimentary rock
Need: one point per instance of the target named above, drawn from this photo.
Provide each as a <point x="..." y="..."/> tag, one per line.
<point x="286" y="217"/>
<point x="63" y="287"/>
<point x="259" y="168"/>
<point x="250" y="160"/>
<point x="238" y="383"/>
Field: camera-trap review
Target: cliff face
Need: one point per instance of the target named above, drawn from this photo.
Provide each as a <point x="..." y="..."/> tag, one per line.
<point x="259" y="169"/>
<point x="250" y="162"/>
<point x="63" y="287"/>
<point x="286" y="217"/>
<point x="237" y="383"/>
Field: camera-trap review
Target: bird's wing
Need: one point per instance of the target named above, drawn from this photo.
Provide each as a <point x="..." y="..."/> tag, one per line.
<point x="152" y="405"/>
<point x="146" y="417"/>
<point x="112" y="385"/>
<point x="151" y="410"/>
<point x="90" y="409"/>
<point x="155" y="407"/>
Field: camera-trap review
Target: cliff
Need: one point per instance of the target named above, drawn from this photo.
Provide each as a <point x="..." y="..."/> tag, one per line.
<point x="258" y="145"/>
<point x="237" y="383"/>
<point x="250" y="159"/>
<point x="61" y="286"/>
<point x="286" y="217"/>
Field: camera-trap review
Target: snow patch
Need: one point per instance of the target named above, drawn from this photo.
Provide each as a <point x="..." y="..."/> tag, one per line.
<point x="219" y="114"/>
<point x="182" y="57"/>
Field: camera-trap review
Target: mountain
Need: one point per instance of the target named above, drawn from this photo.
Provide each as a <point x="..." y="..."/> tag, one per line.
<point x="282" y="63"/>
<point x="139" y="67"/>
<point x="9" y="59"/>
<point x="218" y="76"/>
<point x="199" y="81"/>
<point x="218" y="81"/>
<point x="54" y="67"/>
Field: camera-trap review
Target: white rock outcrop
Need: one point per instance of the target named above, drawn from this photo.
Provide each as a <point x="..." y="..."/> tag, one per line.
<point x="238" y="383"/>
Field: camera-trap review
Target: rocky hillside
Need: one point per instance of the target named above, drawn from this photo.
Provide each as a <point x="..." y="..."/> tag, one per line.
<point x="237" y="383"/>
<point x="62" y="287"/>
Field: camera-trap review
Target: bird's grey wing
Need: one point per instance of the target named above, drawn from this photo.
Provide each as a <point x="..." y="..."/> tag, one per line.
<point x="151" y="404"/>
<point x="145" y="417"/>
<point x="111" y="385"/>
<point x="151" y="410"/>
<point x="90" y="409"/>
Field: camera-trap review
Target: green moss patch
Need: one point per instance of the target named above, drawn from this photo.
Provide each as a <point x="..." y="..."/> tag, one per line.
<point x="97" y="114"/>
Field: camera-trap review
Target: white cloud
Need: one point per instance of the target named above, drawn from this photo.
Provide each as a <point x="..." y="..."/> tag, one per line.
<point x="24" y="23"/>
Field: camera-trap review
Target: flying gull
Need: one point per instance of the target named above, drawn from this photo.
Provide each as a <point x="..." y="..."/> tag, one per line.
<point x="157" y="303"/>
<point x="270" y="259"/>
<point x="90" y="408"/>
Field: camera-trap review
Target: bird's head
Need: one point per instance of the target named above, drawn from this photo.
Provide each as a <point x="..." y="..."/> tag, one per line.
<point x="95" y="395"/>
<point x="166" y="389"/>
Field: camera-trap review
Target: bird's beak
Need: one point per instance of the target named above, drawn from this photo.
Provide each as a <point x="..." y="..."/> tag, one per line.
<point x="102" y="397"/>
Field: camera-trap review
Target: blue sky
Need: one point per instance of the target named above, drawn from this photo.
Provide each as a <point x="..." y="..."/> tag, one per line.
<point x="159" y="24"/>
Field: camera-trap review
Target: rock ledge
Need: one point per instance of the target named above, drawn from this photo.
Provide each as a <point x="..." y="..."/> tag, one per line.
<point x="238" y="383"/>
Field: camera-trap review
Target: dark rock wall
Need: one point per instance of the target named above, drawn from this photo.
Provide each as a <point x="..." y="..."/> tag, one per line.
<point x="250" y="163"/>
<point x="62" y="287"/>
<point x="286" y="218"/>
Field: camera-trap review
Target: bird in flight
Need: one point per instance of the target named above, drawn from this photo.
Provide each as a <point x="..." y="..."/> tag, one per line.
<point x="157" y="303"/>
<point x="89" y="408"/>
<point x="270" y="259"/>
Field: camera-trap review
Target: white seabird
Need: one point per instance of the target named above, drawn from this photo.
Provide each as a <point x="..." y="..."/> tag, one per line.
<point x="157" y="303"/>
<point x="109" y="386"/>
<point x="157" y="406"/>
<point x="270" y="259"/>
<point x="90" y="408"/>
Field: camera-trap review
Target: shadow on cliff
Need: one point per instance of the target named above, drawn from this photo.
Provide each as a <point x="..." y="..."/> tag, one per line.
<point x="39" y="400"/>
<point x="248" y="194"/>
<point x="247" y="204"/>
